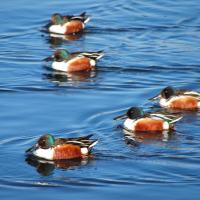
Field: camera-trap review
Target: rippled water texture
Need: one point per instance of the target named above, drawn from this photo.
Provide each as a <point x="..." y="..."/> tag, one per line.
<point x="148" y="45"/>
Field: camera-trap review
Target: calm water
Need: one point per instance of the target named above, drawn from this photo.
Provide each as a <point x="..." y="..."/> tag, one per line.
<point x="148" y="45"/>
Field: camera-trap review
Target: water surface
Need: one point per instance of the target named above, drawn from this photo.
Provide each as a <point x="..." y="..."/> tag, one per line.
<point x="148" y="45"/>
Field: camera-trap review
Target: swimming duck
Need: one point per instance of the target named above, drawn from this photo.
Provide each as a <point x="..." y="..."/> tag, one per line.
<point x="73" y="62"/>
<point x="138" y="120"/>
<point x="178" y="99"/>
<point x="50" y="148"/>
<point x="69" y="24"/>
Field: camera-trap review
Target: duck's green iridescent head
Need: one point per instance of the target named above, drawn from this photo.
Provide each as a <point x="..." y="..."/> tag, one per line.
<point x="165" y="93"/>
<point x="57" y="19"/>
<point x="61" y="55"/>
<point x="46" y="141"/>
<point x="135" y="113"/>
<point x="132" y="113"/>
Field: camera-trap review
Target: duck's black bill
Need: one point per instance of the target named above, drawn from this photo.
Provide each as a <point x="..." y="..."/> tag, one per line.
<point x="31" y="149"/>
<point x="158" y="96"/>
<point x="47" y="25"/>
<point x="124" y="116"/>
<point x="50" y="58"/>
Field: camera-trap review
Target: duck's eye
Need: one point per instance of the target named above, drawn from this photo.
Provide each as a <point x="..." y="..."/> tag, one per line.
<point x="168" y="93"/>
<point x="57" y="56"/>
<point x="41" y="143"/>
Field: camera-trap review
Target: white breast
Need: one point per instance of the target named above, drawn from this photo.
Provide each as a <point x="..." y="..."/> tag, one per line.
<point x="60" y="29"/>
<point x="44" y="153"/>
<point x="129" y="124"/>
<point x="164" y="103"/>
<point x="61" y="66"/>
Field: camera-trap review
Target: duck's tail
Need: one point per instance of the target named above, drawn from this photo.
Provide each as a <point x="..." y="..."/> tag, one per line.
<point x="87" y="142"/>
<point x="93" y="55"/>
<point x="84" y="142"/>
<point x="86" y="146"/>
<point x="83" y="17"/>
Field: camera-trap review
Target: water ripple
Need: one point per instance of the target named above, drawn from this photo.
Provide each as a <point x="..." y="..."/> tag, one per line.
<point x="148" y="45"/>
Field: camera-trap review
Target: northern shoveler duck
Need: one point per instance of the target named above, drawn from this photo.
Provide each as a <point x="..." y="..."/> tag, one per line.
<point x="49" y="148"/>
<point x="67" y="24"/>
<point x="178" y="99"/>
<point x="73" y="62"/>
<point x="138" y="120"/>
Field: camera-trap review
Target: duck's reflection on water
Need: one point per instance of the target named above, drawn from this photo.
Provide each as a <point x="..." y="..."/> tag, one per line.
<point x="57" y="39"/>
<point x="61" y="78"/>
<point x="137" y="137"/>
<point x="46" y="167"/>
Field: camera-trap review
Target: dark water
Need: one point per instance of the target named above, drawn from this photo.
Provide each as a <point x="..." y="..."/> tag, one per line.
<point x="148" y="45"/>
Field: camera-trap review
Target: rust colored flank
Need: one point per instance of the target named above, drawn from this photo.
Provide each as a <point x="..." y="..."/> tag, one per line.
<point x="148" y="124"/>
<point x="74" y="26"/>
<point x="185" y="103"/>
<point x="80" y="64"/>
<point x="67" y="151"/>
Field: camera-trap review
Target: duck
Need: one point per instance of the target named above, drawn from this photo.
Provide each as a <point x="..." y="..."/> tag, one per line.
<point x="63" y="60"/>
<point x="49" y="148"/>
<point x="138" y="120"/>
<point x="169" y="97"/>
<point x="68" y="24"/>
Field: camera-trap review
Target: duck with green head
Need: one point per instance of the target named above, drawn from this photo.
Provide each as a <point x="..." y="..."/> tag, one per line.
<point x="178" y="99"/>
<point x="138" y="120"/>
<point x="68" y="24"/>
<point x="47" y="147"/>
<point x="62" y="60"/>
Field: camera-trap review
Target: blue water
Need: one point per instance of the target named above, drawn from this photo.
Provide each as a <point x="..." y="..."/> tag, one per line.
<point x="148" y="45"/>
